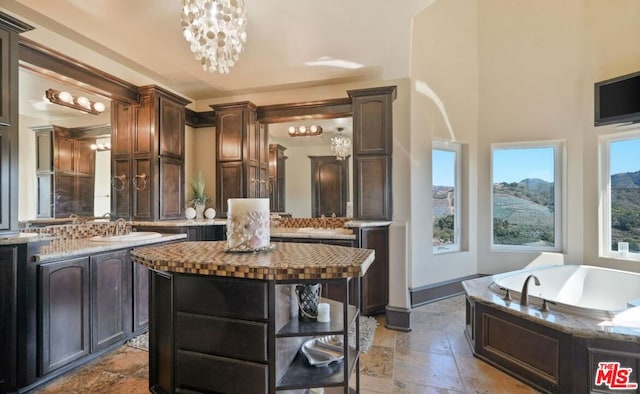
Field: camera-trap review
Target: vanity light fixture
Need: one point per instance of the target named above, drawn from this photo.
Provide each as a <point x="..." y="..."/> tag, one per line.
<point x="100" y="146"/>
<point x="80" y="103"/>
<point x="303" y="131"/>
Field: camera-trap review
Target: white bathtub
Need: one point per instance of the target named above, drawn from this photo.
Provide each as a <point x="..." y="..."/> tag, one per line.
<point x="595" y="292"/>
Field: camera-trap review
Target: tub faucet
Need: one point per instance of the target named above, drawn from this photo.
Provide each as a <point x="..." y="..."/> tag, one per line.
<point x="524" y="294"/>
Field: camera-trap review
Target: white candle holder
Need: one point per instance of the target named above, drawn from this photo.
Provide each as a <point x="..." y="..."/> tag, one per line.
<point x="248" y="227"/>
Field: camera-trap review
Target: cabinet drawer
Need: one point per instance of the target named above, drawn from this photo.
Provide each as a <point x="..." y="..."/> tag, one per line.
<point x="222" y="337"/>
<point x="223" y="297"/>
<point x="204" y="373"/>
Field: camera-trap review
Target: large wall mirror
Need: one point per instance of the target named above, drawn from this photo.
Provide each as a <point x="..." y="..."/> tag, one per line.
<point x="316" y="181"/>
<point x="65" y="161"/>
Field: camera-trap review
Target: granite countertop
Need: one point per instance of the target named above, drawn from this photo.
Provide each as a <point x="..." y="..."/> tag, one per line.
<point x="312" y="233"/>
<point x="76" y="247"/>
<point x="298" y="261"/>
<point x="181" y="222"/>
<point x="478" y="290"/>
<point x="23" y="238"/>
<point x="367" y="223"/>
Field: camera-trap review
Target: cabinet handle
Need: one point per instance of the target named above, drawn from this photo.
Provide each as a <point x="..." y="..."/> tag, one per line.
<point x="143" y="177"/>
<point x="118" y="182"/>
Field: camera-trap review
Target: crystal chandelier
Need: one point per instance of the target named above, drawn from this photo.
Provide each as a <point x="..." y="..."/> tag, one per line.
<point x="216" y="32"/>
<point x="340" y="145"/>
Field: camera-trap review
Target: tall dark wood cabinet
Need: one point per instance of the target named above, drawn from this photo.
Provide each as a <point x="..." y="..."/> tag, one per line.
<point x="148" y="156"/>
<point x="372" y="151"/>
<point x="277" y="177"/>
<point x="9" y="30"/>
<point x="242" y="161"/>
<point x="65" y="171"/>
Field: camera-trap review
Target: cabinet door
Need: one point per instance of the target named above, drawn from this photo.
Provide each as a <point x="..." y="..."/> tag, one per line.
<point x="229" y="185"/>
<point x="110" y="298"/>
<point x="140" y="297"/>
<point x="230" y="135"/>
<point x="372" y="188"/>
<point x="8" y="300"/>
<point x="171" y="182"/>
<point x="171" y="128"/>
<point x="64" y="322"/>
<point x="375" y="284"/>
<point x="5" y="78"/>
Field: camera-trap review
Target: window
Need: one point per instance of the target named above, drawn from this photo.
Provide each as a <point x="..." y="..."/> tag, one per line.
<point x="526" y="196"/>
<point x="445" y="190"/>
<point x="620" y="180"/>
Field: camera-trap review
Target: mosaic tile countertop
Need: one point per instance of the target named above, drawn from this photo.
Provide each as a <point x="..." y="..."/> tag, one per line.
<point x="62" y="248"/>
<point x="298" y="261"/>
<point x="478" y="290"/>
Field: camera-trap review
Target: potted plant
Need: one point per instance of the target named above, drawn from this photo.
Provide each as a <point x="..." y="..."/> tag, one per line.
<point x="198" y="197"/>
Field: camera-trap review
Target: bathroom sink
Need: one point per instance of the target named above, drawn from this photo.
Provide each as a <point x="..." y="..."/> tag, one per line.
<point x="134" y="236"/>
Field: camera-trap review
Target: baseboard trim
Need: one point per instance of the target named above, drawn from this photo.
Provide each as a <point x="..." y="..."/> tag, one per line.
<point x="438" y="291"/>
<point x="398" y="319"/>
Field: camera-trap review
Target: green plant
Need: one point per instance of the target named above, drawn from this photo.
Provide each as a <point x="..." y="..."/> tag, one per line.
<point x="198" y="197"/>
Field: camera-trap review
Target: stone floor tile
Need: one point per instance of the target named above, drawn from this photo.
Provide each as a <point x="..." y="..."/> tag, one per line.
<point x="377" y="362"/>
<point x="482" y="378"/>
<point x="423" y="340"/>
<point x="413" y="388"/>
<point x="428" y="369"/>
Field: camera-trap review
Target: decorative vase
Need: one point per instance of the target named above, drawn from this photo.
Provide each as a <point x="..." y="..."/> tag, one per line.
<point x="199" y="211"/>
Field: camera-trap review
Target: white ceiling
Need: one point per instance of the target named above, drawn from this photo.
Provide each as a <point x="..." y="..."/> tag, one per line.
<point x="283" y="36"/>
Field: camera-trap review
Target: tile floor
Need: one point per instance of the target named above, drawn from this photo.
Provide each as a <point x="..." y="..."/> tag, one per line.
<point x="433" y="358"/>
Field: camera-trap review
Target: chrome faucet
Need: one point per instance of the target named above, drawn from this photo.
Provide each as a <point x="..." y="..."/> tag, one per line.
<point x="524" y="294"/>
<point x="120" y="226"/>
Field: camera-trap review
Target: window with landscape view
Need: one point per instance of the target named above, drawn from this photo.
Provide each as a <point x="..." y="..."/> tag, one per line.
<point x="526" y="202"/>
<point x="621" y="193"/>
<point x="445" y="191"/>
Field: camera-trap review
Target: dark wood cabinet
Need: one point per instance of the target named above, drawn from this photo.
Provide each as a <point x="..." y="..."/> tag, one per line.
<point x="372" y="152"/>
<point x="9" y="30"/>
<point x="375" y="284"/>
<point x="65" y="171"/>
<point x="64" y="319"/>
<point x="242" y="161"/>
<point x="148" y="156"/>
<point x="111" y="303"/>
<point x="241" y="329"/>
<point x="277" y="177"/>
<point x="329" y="186"/>
<point x="140" y="297"/>
<point x="8" y="317"/>
<point x="194" y="233"/>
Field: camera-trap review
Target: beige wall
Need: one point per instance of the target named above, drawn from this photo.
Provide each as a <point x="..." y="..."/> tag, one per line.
<point x="530" y="68"/>
<point x="444" y="91"/>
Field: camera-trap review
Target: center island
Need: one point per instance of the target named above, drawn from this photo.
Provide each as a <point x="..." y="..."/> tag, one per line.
<point x="226" y="322"/>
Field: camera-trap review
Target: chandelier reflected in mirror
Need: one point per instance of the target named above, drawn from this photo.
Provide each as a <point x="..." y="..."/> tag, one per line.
<point x="215" y="30"/>
<point x="340" y="145"/>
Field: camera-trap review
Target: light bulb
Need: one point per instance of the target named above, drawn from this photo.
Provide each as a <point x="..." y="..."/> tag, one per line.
<point x="292" y="130"/>
<point x="83" y="101"/>
<point x="303" y="129"/>
<point x="65" y="96"/>
<point x="313" y="128"/>
<point x="98" y="106"/>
